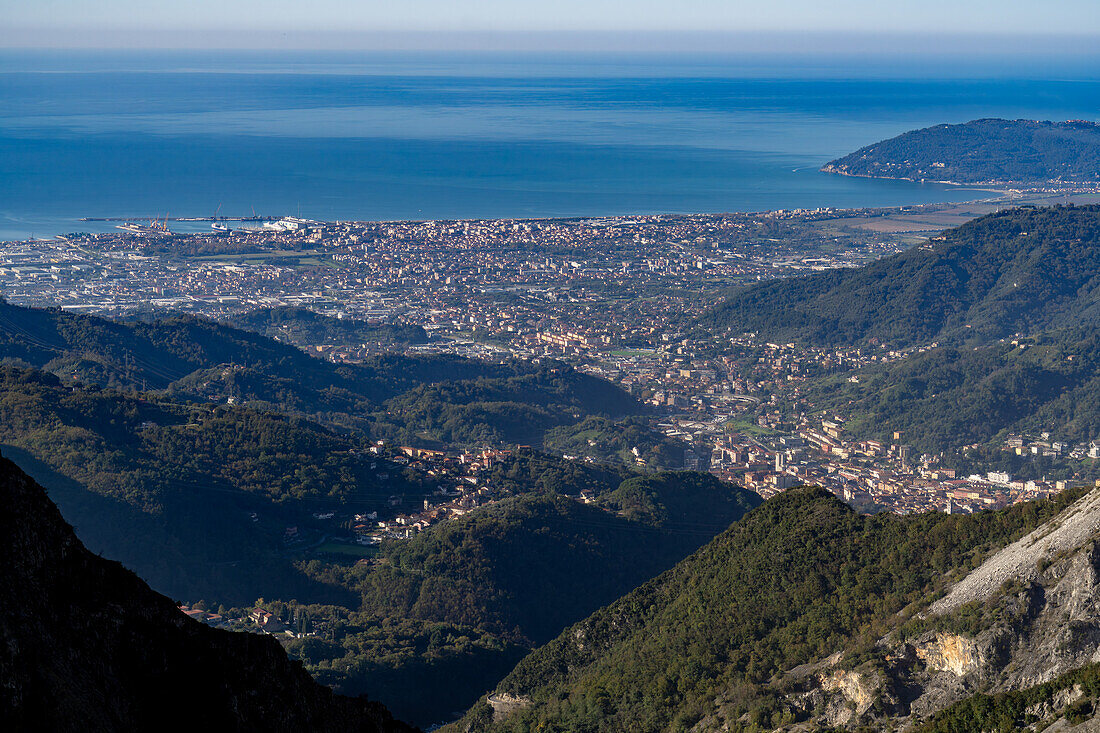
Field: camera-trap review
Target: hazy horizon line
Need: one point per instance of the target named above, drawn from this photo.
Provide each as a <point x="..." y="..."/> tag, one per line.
<point x="763" y="42"/>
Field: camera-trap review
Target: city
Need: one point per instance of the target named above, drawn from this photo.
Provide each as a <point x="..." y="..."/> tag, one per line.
<point x="613" y="296"/>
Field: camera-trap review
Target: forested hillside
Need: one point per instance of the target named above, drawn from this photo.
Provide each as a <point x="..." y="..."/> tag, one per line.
<point x="1022" y="270"/>
<point x="511" y="575"/>
<point x="981" y="151"/>
<point x="418" y="400"/>
<point x="132" y="473"/>
<point x="303" y="327"/>
<point x="88" y="646"/>
<point x="213" y="487"/>
<point x="948" y="397"/>
<point x="528" y="566"/>
<point x="796" y="580"/>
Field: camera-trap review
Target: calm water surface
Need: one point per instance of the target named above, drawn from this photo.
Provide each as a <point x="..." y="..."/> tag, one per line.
<point x="403" y="136"/>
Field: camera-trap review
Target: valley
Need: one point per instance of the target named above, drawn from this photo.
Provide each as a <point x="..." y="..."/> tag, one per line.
<point x="793" y="470"/>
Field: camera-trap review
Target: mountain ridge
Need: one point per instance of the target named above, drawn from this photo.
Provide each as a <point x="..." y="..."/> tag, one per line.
<point x="405" y="399"/>
<point x="1022" y="270"/>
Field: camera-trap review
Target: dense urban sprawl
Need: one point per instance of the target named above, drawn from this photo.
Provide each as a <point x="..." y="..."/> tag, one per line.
<point x="612" y="296"/>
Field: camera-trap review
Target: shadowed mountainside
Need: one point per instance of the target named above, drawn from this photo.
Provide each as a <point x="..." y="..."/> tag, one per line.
<point x="86" y="645"/>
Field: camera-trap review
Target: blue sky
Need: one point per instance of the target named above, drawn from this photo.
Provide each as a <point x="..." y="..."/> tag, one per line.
<point x="108" y="22"/>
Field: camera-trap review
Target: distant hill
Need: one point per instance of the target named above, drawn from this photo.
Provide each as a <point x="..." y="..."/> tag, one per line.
<point x="86" y="645"/>
<point x="983" y="151"/>
<point x="615" y="441"/>
<point x="1021" y="270"/>
<point x="712" y="642"/>
<point x="949" y="397"/>
<point x="302" y="327"/>
<point x="434" y="398"/>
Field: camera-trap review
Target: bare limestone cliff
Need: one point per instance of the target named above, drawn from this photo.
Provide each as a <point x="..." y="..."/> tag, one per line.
<point x="1026" y="617"/>
<point x="1020" y="561"/>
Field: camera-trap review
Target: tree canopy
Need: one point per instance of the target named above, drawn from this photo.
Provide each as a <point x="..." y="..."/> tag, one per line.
<point x="981" y="151"/>
<point x="1022" y="270"/>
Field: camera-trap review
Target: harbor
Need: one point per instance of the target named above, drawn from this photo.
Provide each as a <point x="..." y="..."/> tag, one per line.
<point x="136" y="219"/>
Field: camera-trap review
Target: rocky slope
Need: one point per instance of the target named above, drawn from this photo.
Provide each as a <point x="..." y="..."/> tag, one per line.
<point x="1026" y="617"/>
<point x="1021" y="562"/>
<point x="86" y="645"/>
<point x="1065" y="705"/>
<point x="775" y="624"/>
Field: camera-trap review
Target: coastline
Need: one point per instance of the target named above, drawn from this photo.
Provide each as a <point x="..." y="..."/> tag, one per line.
<point x="1002" y="187"/>
<point x="1002" y="198"/>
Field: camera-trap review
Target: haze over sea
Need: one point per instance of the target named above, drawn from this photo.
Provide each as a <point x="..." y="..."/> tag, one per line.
<point x="463" y="135"/>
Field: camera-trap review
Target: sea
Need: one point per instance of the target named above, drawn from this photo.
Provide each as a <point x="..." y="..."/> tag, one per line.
<point x="417" y="136"/>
